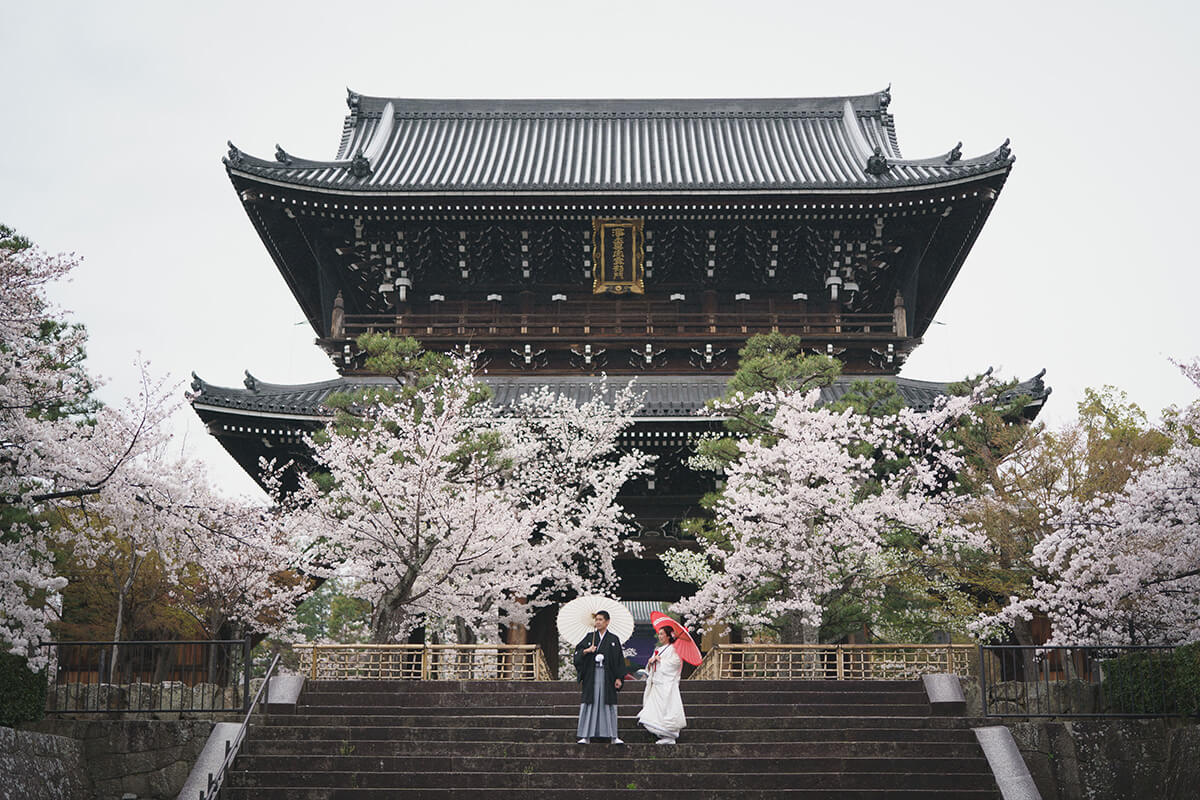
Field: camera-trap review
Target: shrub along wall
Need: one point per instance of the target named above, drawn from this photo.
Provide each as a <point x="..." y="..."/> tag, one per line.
<point x="22" y="692"/>
<point x="1154" y="683"/>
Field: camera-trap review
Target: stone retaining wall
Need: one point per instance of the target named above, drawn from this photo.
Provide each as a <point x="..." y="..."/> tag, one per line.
<point x="1095" y="759"/>
<point x="39" y="766"/>
<point x="1111" y="759"/>
<point x="144" y="757"/>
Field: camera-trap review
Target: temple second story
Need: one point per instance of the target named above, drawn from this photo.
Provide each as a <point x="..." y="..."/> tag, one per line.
<point x="621" y="236"/>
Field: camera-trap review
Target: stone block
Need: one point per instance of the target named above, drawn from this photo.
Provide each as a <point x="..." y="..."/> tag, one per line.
<point x="1183" y="763"/>
<point x="174" y="694"/>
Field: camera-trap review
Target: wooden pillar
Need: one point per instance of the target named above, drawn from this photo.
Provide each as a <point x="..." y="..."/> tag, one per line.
<point x="337" y="319"/>
<point x="899" y="316"/>
<point x="710" y="309"/>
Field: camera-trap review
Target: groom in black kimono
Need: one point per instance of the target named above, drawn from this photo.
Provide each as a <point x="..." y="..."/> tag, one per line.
<point x="600" y="665"/>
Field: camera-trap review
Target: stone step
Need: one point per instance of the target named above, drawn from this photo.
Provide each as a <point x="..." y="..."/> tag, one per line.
<point x="751" y="686"/>
<point x="697" y="710"/>
<point x="632" y="694"/>
<point x="565" y="718"/>
<point x="567" y="734"/>
<point x="676" y="793"/>
<point x="638" y="747"/>
<point x="619" y="762"/>
<point x="749" y="740"/>
<point x="840" y="779"/>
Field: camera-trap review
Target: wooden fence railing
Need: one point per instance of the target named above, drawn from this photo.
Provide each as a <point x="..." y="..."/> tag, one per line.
<point x="466" y="662"/>
<point x="849" y="662"/>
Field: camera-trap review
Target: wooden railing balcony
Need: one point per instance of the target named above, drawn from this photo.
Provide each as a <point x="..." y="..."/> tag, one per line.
<point x="836" y="661"/>
<point x="475" y="662"/>
<point x="634" y="326"/>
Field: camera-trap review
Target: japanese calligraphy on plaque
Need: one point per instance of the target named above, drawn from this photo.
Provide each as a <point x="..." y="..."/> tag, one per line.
<point x="618" y="254"/>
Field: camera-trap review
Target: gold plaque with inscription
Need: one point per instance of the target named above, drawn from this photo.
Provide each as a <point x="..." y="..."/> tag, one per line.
<point x="618" y="256"/>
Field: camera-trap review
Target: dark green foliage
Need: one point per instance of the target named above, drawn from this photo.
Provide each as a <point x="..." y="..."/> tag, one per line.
<point x="22" y="692"/>
<point x="774" y="361"/>
<point x="1187" y="678"/>
<point x="872" y="398"/>
<point x="1154" y="682"/>
<point x="768" y="362"/>
<point x="11" y="240"/>
<point x="327" y="613"/>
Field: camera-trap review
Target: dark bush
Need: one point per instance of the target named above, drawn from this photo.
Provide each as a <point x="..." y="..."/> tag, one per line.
<point x="1187" y="678"/>
<point x="22" y="692"/>
<point x="1154" y="682"/>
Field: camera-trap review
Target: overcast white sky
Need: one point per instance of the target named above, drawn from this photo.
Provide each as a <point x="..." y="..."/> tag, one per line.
<point x="115" y="115"/>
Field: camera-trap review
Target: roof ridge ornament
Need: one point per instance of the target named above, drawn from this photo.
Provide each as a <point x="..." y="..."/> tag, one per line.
<point x="352" y="100"/>
<point x="282" y="156"/>
<point x="360" y="167"/>
<point x="197" y="384"/>
<point x="1004" y="152"/>
<point x="955" y="154"/>
<point x="235" y="156"/>
<point x="885" y="97"/>
<point x="250" y="382"/>
<point x="877" y="164"/>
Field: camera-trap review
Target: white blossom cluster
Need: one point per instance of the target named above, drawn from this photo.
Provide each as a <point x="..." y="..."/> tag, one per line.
<point x="800" y="525"/>
<point x="1125" y="568"/>
<point x="108" y="473"/>
<point x="447" y="509"/>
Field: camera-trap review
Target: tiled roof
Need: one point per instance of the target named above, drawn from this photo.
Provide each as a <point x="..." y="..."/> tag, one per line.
<point x="428" y="146"/>
<point x="665" y="396"/>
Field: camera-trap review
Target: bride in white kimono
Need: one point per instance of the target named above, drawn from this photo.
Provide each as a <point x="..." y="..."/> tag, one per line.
<point x="662" y="708"/>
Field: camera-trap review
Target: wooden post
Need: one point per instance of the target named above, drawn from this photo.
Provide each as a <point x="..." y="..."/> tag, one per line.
<point x="841" y="666"/>
<point x="899" y="316"/>
<point x="338" y="318"/>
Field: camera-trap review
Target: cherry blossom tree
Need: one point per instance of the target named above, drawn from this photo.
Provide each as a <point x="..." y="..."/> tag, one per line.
<point x="236" y="570"/>
<point x="45" y="399"/>
<point x="1123" y="567"/>
<point x="97" y="480"/>
<point x="804" y="511"/>
<point x="568" y="471"/>
<point x="438" y="509"/>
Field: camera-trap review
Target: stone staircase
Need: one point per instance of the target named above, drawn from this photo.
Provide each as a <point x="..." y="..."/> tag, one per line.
<point x="478" y="740"/>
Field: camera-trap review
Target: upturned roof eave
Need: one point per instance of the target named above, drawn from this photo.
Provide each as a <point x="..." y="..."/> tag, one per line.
<point x="824" y="190"/>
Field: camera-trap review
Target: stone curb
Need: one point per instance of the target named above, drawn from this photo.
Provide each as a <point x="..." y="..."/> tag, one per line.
<point x="209" y="761"/>
<point x="1009" y="769"/>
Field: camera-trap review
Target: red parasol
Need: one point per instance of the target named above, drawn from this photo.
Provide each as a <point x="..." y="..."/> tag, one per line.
<point x="684" y="646"/>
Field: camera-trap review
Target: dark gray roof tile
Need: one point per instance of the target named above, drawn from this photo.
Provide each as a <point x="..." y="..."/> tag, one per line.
<point x="665" y="396"/>
<point x="406" y="145"/>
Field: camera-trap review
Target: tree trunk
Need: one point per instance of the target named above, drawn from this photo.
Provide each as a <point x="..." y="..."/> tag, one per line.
<point x="793" y="630"/>
<point x="389" y="622"/>
<point x="116" y="648"/>
<point x="1023" y="634"/>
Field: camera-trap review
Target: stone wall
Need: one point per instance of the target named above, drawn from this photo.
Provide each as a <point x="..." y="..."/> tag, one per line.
<point x="1095" y="759"/>
<point x="39" y="766"/>
<point x="1111" y="759"/>
<point x="143" y="757"/>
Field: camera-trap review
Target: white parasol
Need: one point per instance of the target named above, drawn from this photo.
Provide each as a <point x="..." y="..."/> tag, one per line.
<point x="575" y="619"/>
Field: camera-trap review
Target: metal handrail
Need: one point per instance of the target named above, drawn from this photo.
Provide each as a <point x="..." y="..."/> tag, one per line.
<point x="94" y="663"/>
<point x="1075" y="681"/>
<point x="231" y="748"/>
